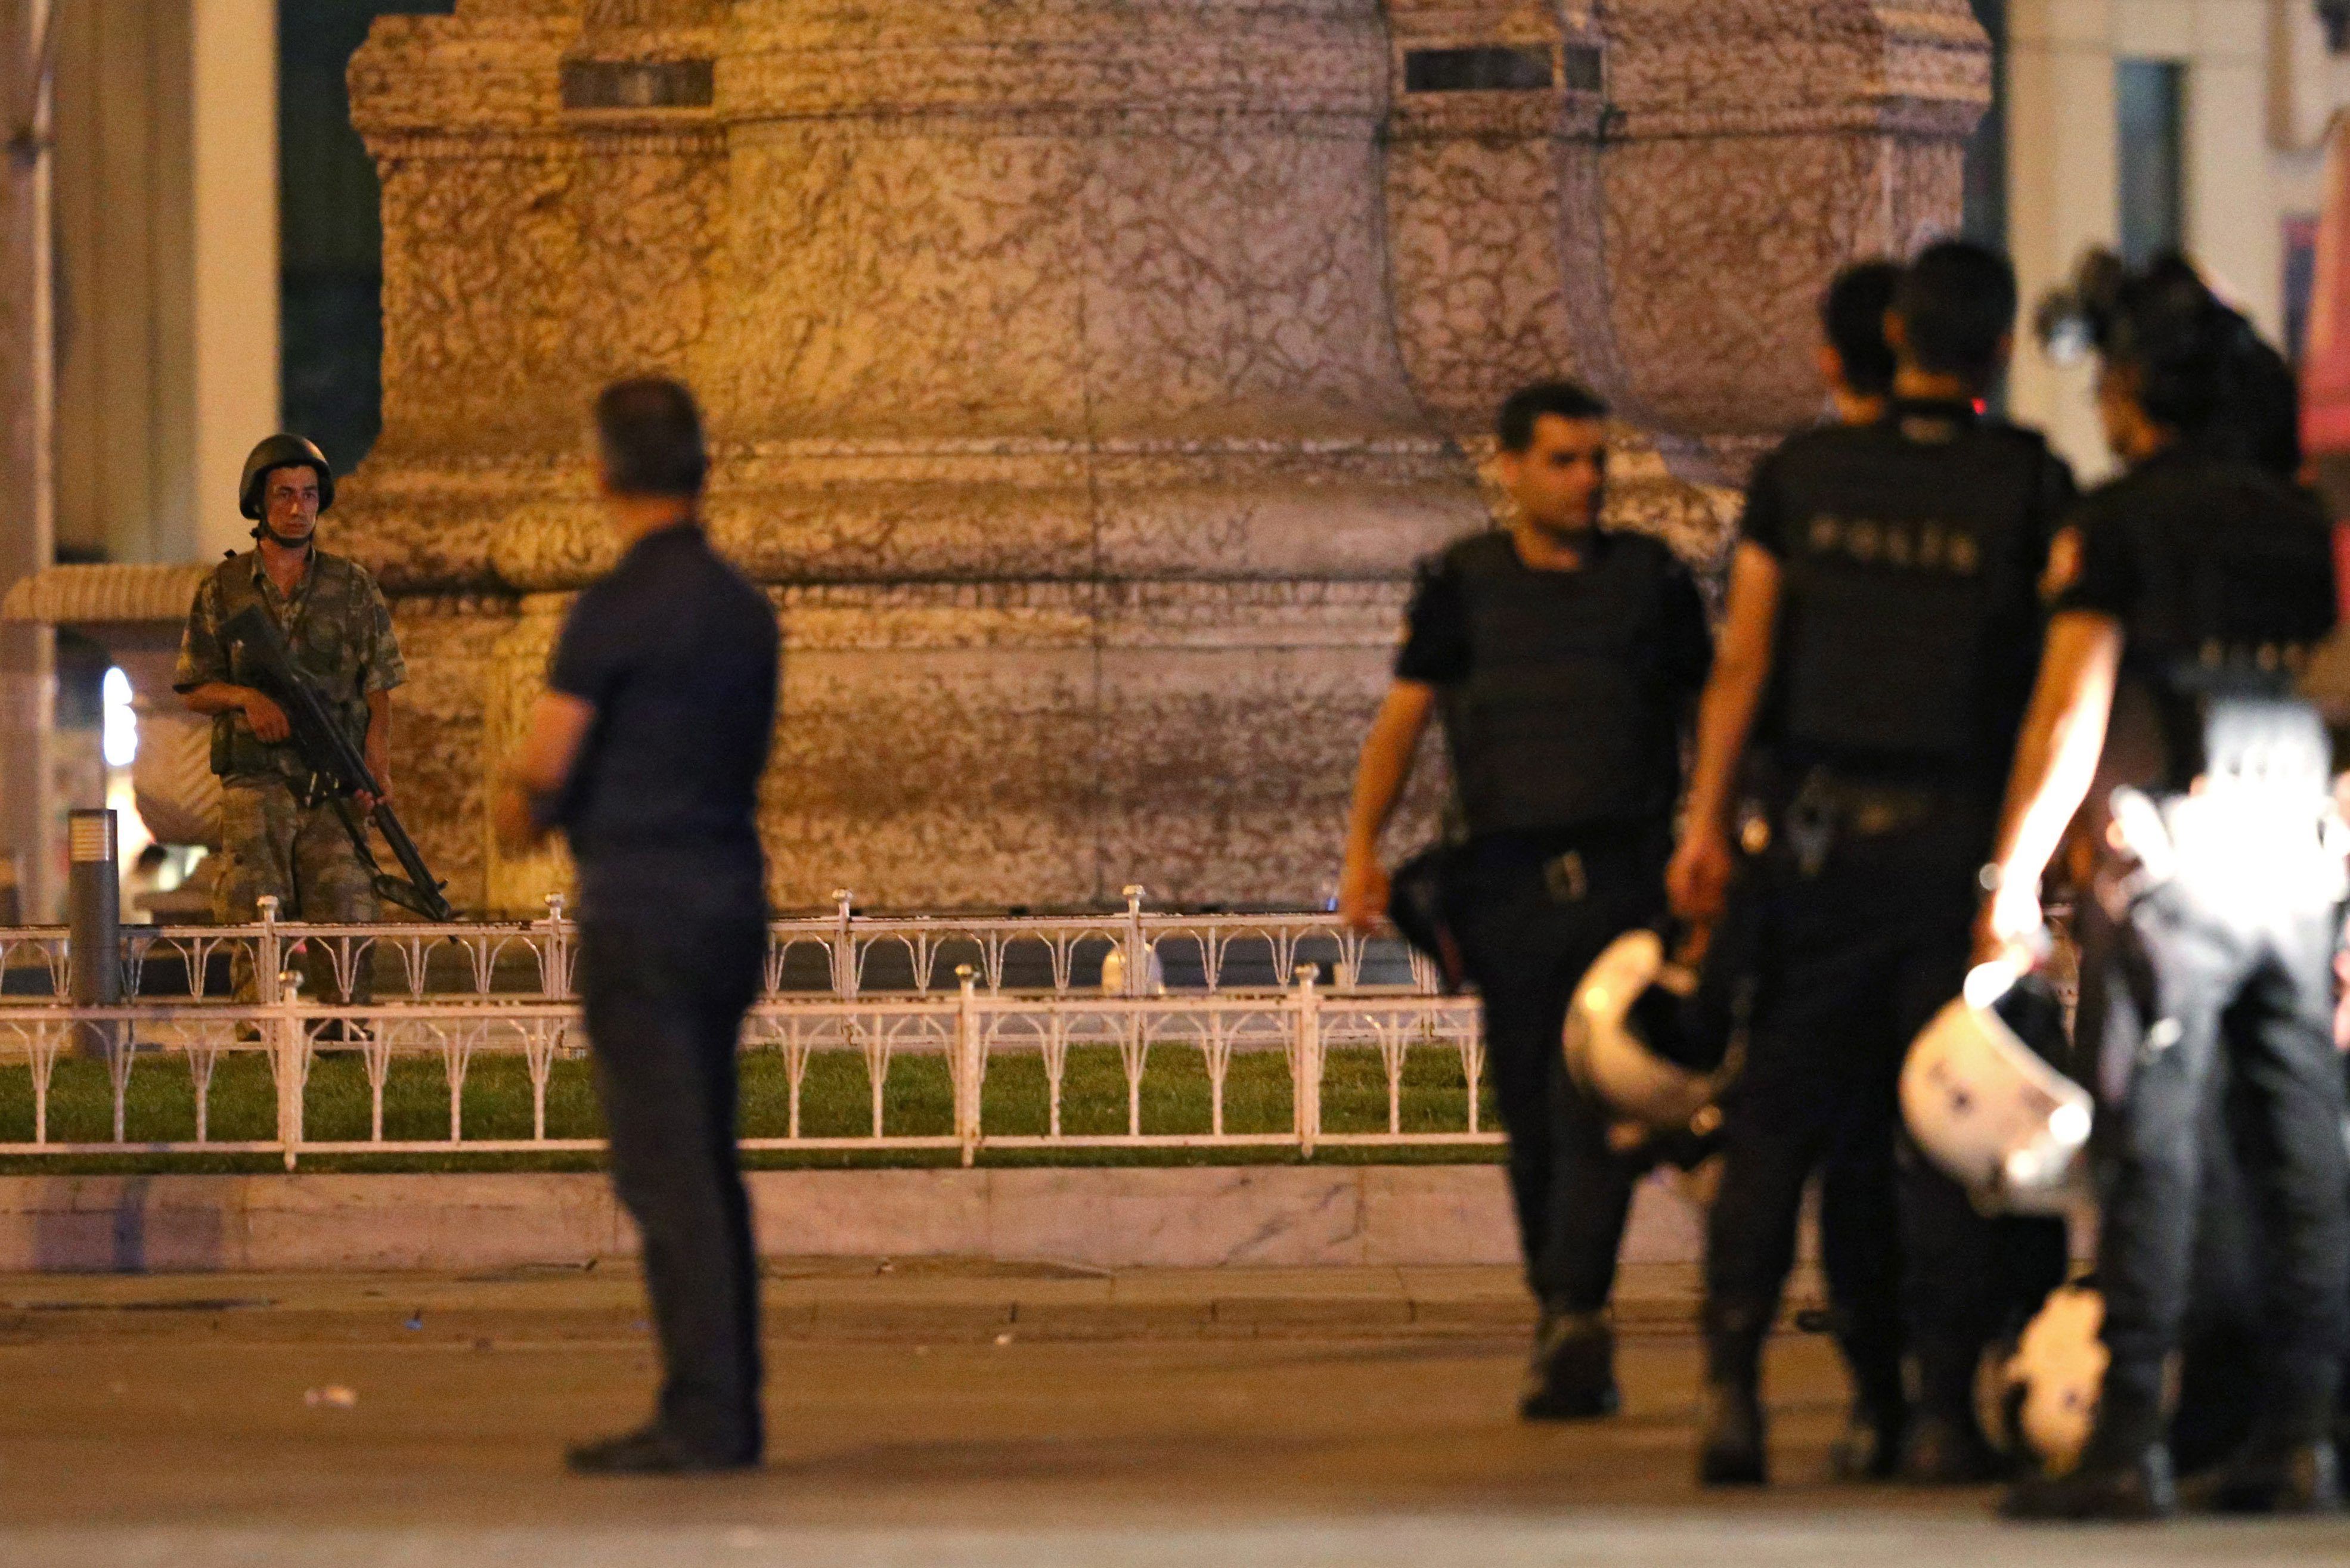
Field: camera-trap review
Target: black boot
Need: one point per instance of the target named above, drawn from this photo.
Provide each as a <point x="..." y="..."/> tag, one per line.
<point x="1947" y="1445"/>
<point x="2289" y="1465"/>
<point x="650" y="1451"/>
<point x="2125" y="1472"/>
<point x="1870" y="1447"/>
<point x="2296" y="1477"/>
<point x="1948" y="1448"/>
<point x="2123" y="1487"/>
<point x="1732" y="1450"/>
<point x="1731" y="1453"/>
<point x="1571" y="1376"/>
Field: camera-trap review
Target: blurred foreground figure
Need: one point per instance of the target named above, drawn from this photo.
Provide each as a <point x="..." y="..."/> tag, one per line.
<point x="1877" y="653"/>
<point x="1564" y="662"/>
<point x="2202" y="579"/>
<point x="647" y="752"/>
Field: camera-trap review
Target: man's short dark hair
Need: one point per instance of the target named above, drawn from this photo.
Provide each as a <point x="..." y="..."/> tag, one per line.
<point x="2181" y="347"/>
<point x="650" y="436"/>
<point x="1852" y="314"/>
<point x="1957" y="304"/>
<point x="1565" y="399"/>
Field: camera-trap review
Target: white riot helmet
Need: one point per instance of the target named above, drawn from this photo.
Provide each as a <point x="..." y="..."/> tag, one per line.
<point x="2054" y="1379"/>
<point x="1988" y="1109"/>
<point x="1611" y="1056"/>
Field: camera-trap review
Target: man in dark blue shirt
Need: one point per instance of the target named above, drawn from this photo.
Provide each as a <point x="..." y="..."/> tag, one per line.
<point x="647" y="752"/>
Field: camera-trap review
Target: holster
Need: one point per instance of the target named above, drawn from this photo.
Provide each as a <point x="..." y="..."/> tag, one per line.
<point x="1419" y="905"/>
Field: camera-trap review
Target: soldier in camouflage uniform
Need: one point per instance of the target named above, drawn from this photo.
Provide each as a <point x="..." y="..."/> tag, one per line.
<point x="338" y="630"/>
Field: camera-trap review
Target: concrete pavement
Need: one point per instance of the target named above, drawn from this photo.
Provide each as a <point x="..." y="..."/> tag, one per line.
<point x="937" y="1414"/>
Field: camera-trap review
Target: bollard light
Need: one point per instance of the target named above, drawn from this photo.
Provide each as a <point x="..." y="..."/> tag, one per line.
<point x="94" y="897"/>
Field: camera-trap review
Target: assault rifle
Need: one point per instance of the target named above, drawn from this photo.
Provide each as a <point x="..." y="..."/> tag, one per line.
<point x="337" y="771"/>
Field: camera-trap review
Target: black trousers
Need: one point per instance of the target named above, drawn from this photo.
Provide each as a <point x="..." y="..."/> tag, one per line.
<point x="2220" y="1335"/>
<point x="2231" y="957"/>
<point x="1853" y="961"/>
<point x="664" y="1001"/>
<point x="1529" y="925"/>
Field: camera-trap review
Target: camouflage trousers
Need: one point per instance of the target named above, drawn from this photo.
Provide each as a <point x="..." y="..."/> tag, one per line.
<point x="272" y="844"/>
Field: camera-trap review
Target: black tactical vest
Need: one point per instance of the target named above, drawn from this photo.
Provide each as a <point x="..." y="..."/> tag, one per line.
<point x="321" y="645"/>
<point x="1566" y="719"/>
<point x="1909" y="618"/>
<point x="2232" y="572"/>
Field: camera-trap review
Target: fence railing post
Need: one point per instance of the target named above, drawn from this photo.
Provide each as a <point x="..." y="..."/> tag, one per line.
<point x="969" y="1064"/>
<point x="1137" y="952"/>
<point x="268" y="961"/>
<point x="1307" y="1095"/>
<point x="844" y="948"/>
<point x="287" y="1047"/>
<point x="556" y="977"/>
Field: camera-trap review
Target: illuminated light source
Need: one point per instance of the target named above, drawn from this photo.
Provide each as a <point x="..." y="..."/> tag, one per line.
<point x="120" y="739"/>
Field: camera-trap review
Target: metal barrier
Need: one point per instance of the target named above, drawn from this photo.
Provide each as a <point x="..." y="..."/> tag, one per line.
<point x="866" y="988"/>
<point x="839" y="954"/>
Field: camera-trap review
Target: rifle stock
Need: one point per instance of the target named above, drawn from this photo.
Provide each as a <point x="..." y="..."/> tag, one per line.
<point x="338" y="769"/>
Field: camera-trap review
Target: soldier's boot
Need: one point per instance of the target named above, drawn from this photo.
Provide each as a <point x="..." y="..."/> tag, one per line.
<point x="1871" y="1445"/>
<point x="2124" y="1473"/>
<point x="1946" y="1446"/>
<point x="1732" y="1451"/>
<point x="1572" y="1375"/>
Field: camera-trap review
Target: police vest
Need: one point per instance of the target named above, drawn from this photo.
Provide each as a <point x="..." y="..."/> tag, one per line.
<point x="1908" y="615"/>
<point x="1564" y="719"/>
<point x="318" y="644"/>
<point x="2236" y="585"/>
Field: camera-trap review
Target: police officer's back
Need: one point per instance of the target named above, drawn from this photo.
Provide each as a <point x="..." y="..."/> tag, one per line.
<point x="2203" y="580"/>
<point x="1877" y="656"/>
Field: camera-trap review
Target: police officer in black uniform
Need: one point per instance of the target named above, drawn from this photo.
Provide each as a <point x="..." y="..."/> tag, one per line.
<point x="1879" y="647"/>
<point x="2202" y="579"/>
<point x="1564" y="662"/>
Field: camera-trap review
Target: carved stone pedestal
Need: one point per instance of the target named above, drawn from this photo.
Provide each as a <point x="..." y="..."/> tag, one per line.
<point x="1083" y="376"/>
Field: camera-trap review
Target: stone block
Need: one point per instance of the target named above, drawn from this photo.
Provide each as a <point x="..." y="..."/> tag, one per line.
<point x="1178" y="1218"/>
<point x="1438" y="1214"/>
<point x="870" y="1214"/>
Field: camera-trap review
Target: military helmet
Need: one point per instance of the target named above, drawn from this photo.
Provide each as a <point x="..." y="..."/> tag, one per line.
<point x="1985" y="1103"/>
<point x="283" y="451"/>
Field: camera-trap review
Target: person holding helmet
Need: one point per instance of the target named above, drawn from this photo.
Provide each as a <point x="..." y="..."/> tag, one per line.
<point x="338" y="630"/>
<point x="1563" y="659"/>
<point x="2203" y="578"/>
<point x="1883" y="621"/>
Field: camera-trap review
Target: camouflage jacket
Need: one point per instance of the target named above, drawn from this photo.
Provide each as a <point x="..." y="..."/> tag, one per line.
<point x="338" y="629"/>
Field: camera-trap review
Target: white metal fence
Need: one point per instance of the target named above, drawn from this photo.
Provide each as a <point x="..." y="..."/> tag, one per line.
<point x="1171" y="999"/>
